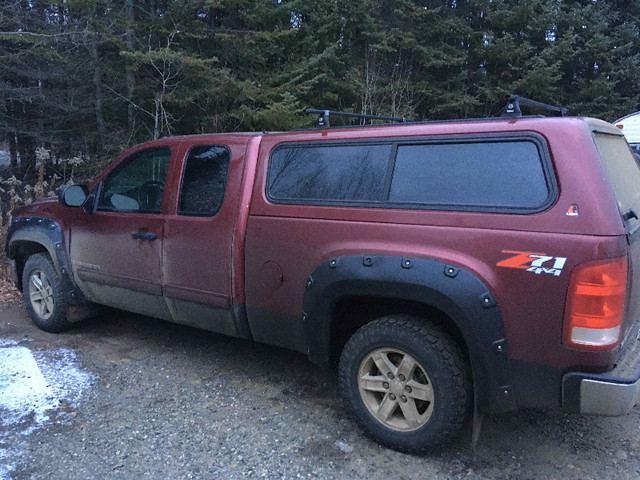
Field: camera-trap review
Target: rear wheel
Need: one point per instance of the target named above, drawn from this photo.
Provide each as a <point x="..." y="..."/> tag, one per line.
<point x="42" y="290"/>
<point x="406" y="382"/>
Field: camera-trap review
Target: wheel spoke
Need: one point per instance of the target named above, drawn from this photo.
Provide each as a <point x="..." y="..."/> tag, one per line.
<point x="40" y="307"/>
<point x="373" y="383"/>
<point x="36" y="296"/>
<point x="410" y="412"/>
<point x="420" y="391"/>
<point x="48" y="305"/>
<point x="383" y="363"/>
<point x="37" y="282"/>
<point x="407" y="366"/>
<point x="387" y="407"/>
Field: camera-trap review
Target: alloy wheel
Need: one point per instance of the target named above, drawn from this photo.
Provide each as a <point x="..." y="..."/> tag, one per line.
<point x="396" y="389"/>
<point x="41" y="294"/>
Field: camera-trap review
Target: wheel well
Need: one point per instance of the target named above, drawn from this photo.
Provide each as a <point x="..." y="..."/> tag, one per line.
<point x="351" y="313"/>
<point x="22" y="250"/>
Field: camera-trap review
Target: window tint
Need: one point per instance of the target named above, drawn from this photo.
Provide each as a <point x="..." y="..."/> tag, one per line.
<point x="204" y="180"/>
<point x="505" y="174"/>
<point x="137" y="184"/>
<point x="345" y="173"/>
<point x="493" y="174"/>
<point x="622" y="170"/>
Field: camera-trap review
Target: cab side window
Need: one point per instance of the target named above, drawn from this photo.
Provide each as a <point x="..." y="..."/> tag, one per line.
<point x="204" y="180"/>
<point x="137" y="184"/>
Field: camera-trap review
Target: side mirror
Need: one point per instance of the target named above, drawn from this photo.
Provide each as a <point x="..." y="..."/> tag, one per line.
<point x="73" y="195"/>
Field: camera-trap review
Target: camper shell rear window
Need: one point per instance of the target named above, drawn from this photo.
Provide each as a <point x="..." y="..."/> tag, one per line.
<point x="623" y="171"/>
<point x="505" y="173"/>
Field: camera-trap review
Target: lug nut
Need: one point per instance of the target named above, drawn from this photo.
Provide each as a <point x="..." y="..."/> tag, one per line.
<point x="390" y="375"/>
<point x="403" y="399"/>
<point x="385" y="384"/>
<point x="392" y="396"/>
<point x="407" y="389"/>
<point x="401" y="378"/>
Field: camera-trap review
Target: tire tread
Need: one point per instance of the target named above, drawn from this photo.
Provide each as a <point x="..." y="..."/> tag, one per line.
<point x="58" y="321"/>
<point x="400" y="326"/>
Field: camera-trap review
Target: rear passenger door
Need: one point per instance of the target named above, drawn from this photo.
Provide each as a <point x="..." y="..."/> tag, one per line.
<point x="197" y="250"/>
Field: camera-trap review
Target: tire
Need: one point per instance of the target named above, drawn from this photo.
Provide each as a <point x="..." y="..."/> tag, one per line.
<point x="406" y="382"/>
<point x="42" y="291"/>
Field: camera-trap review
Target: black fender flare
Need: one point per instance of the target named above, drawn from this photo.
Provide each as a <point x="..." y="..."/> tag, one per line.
<point x="47" y="233"/>
<point x="455" y="291"/>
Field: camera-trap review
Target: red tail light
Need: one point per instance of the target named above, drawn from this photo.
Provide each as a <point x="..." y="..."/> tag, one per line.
<point x="595" y="304"/>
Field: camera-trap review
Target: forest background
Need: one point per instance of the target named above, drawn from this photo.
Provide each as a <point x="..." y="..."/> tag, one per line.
<point x="82" y="80"/>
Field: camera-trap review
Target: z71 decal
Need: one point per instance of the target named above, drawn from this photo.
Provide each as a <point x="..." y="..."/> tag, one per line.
<point x="534" y="262"/>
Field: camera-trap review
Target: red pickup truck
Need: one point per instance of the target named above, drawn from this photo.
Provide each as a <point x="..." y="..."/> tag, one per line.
<point x="490" y="263"/>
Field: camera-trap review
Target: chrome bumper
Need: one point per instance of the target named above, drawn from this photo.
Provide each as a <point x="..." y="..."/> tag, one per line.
<point x="607" y="398"/>
<point x="612" y="393"/>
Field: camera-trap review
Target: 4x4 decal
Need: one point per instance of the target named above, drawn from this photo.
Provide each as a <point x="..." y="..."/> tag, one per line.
<point x="534" y="262"/>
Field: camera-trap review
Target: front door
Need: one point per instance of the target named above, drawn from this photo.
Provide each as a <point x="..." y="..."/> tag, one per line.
<point x="116" y="252"/>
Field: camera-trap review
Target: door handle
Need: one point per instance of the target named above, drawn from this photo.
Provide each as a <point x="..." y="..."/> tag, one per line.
<point x="144" y="236"/>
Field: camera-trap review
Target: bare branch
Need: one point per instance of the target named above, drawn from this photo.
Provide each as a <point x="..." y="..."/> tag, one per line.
<point x="128" y="100"/>
<point x="33" y="34"/>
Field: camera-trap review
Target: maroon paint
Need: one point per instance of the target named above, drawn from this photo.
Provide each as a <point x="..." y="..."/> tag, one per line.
<point x="197" y="264"/>
<point x="289" y="241"/>
<point x="299" y="237"/>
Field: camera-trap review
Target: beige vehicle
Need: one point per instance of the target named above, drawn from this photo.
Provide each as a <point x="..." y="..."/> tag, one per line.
<point x="630" y="126"/>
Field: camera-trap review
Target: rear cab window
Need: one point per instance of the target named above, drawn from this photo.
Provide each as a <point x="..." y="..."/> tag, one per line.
<point x="204" y="180"/>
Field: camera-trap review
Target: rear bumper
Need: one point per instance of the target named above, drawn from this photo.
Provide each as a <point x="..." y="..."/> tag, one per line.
<point x="612" y="393"/>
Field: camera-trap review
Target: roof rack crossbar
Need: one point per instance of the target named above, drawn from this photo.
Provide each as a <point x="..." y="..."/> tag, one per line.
<point x="323" y="119"/>
<point x="514" y="101"/>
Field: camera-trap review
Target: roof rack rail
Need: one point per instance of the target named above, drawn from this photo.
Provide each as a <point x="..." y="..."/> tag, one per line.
<point x="514" y="101"/>
<point x="323" y="119"/>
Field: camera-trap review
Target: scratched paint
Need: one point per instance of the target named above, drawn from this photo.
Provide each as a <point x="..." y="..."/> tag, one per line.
<point x="37" y="389"/>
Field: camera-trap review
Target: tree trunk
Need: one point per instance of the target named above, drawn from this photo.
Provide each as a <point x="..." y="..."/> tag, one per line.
<point x="13" y="149"/>
<point x="27" y="152"/>
<point x="97" y="85"/>
<point x="156" y="119"/>
<point x="129" y="77"/>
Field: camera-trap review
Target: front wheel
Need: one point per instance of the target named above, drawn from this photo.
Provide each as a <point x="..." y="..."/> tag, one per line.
<point x="42" y="290"/>
<point x="406" y="382"/>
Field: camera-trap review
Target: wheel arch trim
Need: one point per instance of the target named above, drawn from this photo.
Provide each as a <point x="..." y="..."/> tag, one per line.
<point x="48" y="234"/>
<point x="455" y="291"/>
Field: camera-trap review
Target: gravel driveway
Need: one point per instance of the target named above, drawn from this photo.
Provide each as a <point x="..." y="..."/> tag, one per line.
<point x="130" y="397"/>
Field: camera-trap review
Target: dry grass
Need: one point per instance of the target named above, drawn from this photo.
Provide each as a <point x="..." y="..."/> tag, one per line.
<point x="8" y="292"/>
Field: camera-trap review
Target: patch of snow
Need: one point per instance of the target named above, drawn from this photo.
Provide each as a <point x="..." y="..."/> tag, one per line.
<point x="33" y="385"/>
<point x="5" y="159"/>
<point x="23" y="388"/>
<point x="343" y="446"/>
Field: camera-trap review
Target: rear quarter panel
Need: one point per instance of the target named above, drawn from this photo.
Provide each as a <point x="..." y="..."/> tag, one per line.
<point x="298" y="238"/>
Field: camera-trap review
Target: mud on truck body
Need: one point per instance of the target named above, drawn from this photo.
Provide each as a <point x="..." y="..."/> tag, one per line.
<point x="492" y="263"/>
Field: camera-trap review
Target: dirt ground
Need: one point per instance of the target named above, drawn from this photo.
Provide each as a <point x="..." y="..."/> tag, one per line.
<point x="128" y="397"/>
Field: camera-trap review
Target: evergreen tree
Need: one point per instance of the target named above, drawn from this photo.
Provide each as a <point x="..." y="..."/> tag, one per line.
<point x="90" y="77"/>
